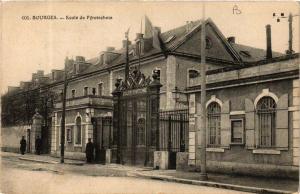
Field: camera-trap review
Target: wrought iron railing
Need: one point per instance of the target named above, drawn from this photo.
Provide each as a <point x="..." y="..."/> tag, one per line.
<point x="174" y="130"/>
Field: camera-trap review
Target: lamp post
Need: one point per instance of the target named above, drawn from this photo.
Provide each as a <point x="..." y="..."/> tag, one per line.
<point x="63" y="115"/>
<point x="279" y="16"/>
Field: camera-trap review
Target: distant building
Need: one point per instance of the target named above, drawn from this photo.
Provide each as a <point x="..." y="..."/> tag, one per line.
<point x="252" y="97"/>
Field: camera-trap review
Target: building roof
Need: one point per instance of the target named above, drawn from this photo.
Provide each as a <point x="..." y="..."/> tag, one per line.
<point x="178" y="38"/>
<point x="174" y="38"/>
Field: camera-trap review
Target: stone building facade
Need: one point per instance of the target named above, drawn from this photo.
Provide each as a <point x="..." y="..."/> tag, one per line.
<point x="252" y="119"/>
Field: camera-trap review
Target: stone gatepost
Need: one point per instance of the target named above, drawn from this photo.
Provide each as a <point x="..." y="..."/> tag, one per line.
<point x="36" y="129"/>
<point x="88" y="127"/>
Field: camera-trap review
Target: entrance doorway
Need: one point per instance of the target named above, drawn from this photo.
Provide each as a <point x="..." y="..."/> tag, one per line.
<point x="136" y="119"/>
<point x="102" y="137"/>
<point x="28" y="141"/>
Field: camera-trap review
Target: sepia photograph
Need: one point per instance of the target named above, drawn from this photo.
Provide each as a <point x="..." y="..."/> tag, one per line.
<point x="149" y="97"/>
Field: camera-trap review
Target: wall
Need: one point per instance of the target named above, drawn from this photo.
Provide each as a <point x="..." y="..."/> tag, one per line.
<point x="11" y="136"/>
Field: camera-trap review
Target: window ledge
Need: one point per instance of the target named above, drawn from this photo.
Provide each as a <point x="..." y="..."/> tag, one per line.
<point x="215" y="150"/>
<point x="266" y="151"/>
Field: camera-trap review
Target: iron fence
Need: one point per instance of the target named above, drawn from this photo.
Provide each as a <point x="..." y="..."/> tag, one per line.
<point x="174" y="130"/>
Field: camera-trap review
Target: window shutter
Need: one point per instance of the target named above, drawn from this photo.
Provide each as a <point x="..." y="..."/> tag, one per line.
<point x="225" y="124"/>
<point x="249" y="123"/>
<point x="281" y="134"/>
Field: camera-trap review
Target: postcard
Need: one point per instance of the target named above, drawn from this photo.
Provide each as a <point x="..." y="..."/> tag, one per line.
<point x="149" y="97"/>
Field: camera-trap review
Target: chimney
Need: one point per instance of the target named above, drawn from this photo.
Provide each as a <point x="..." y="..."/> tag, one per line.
<point x="124" y="43"/>
<point x="79" y="59"/>
<point x="158" y="29"/>
<point x="231" y="39"/>
<point x="269" y="41"/>
<point x="156" y="38"/>
<point x="187" y="26"/>
<point x="140" y="40"/>
<point x="40" y="73"/>
<point x="110" y="48"/>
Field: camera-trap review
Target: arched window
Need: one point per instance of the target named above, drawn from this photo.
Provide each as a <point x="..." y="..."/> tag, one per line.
<point x="78" y="131"/>
<point x="214" y="118"/>
<point x="141" y="131"/>
<point x="266" y="111"/>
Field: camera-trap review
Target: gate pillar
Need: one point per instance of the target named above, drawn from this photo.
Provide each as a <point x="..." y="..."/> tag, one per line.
<point x="36" y="129"/>
<point x="154" y="91"/>
<point x="116" y="118"/>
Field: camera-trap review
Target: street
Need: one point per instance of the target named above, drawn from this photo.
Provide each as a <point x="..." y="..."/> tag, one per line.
<point x="24" y="177"/>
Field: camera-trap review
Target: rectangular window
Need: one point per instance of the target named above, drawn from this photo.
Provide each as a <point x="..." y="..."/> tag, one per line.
<point x="237" y="131"/>
<point x="85" y="91"/>
<point x="100" y="89"/>
<point x="69" y="135"/>
<point x="73" y="93"/>
<point x="61" y="95"/>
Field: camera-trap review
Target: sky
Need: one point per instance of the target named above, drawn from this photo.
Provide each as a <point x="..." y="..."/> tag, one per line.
<point x="31" y="45"/>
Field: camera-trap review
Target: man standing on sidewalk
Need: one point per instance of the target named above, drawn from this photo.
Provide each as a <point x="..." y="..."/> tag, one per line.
<point x="23" y="145"/>
<point x="89" y="151"/>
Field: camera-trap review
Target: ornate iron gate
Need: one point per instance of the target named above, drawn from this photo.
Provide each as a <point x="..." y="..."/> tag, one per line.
<point x="136" y="119"/>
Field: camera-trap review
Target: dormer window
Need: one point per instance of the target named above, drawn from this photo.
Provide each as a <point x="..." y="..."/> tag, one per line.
<point x="94" y="91"/>
<point x="157" y="71"/>
<point x="100" y="89"/>
<point x="85" y="91"/>
<point x="73" y="93"/>
<point x="74" y="68"/>
<point x="61" y="94"/>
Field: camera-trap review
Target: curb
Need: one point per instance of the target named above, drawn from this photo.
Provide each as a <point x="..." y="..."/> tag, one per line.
<point x="214" y="184"/>
<point x="36" y="160"/>
<point x="50" y="162"/>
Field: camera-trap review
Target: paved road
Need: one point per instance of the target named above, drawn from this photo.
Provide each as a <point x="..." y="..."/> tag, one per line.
<point x="28" y="177"/>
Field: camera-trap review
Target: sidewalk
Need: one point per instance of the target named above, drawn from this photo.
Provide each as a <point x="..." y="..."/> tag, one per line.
<point x="43" y="158"/>
<point x="233" y="182"/>
<point x="226" y="181"/>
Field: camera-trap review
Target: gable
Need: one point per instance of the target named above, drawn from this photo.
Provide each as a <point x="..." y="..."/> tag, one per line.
<point x="217" y="46"/>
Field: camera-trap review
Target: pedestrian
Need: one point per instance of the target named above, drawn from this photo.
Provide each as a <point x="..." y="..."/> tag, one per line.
<point x="89" y="151"/>
<point x="38" y="145"/>
<point x="23" y="145"/>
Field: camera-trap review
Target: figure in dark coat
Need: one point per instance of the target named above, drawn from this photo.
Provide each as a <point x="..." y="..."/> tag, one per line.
<point x="89" y="151"/>
<point x="23" y="145"/>
<point x="38" y="145"/>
